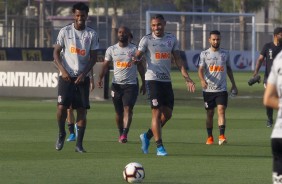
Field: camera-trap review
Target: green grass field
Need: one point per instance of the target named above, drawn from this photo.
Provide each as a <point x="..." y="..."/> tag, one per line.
<point x="28" y="133"/>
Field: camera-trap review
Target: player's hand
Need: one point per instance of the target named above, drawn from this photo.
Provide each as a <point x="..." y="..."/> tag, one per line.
<point x="204" y="84"/>
<point x="135" y="61"/>
<point x="92" y="84"/>
<point x="66" y="76"/>
<point x="79" y="79"/>
<point x="191" y="86"/>
<point x="234" y="90"/>
<point x="100" y="84"/>
<point x="143" y="89"/>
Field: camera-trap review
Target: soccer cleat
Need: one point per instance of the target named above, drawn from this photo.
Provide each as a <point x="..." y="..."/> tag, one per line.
<point x="60" y="142"/>
<point x="80" y="149"/>
<point x="123" y="139"/>
<point x="161" y="151"/>
<point x="71" y="137"/>
<point x="210" y="140"/>
<point x="269" y="123"/>
<point x="145" y="143"/>
<point x="222" y="140"/>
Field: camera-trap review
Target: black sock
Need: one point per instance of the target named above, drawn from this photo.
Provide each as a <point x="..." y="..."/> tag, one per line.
<point x="149" y="134"/>
<point x="125" y="131"/>
<point x="269" y="113"/>
<point x="221" y="129"/>
<point x="80" y="135"/>
<point x="71" y="128"/>
<point x="61" y="126"/>
<point x="209" y="130"/>
<point x="159" y="143"/>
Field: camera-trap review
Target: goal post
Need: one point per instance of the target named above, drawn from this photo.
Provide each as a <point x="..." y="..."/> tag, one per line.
<point x="230" y="22"/>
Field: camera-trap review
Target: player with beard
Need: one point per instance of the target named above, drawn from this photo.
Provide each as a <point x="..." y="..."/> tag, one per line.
<point x="158" y="49"/>
<point x="214" y="65"/>
<point x="267" y="54"/>
<point x="124" y="89"/>
<point x="75" y="54"/>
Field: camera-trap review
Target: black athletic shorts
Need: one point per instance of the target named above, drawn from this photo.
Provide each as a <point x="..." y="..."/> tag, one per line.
<point x="124" y="95"/>
<point x="160" y="94"/>
<point x="276" y="146"/>
<point x="70" y="94"/>
<point x="212" y="99"/>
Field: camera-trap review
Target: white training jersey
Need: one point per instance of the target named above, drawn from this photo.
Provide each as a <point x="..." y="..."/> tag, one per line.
<point x="215" y="69"/>
<point x="157" y="51"/>
<point x="76" y="45"/>
<point x="124" y="71"/>
<point x="275" y="78"/>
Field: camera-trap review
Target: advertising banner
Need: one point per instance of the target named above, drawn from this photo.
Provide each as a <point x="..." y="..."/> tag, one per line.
<point x="36" y="79"/>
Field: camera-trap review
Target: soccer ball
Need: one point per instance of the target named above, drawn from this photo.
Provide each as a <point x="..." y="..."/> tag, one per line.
<point x="134" y="173"/>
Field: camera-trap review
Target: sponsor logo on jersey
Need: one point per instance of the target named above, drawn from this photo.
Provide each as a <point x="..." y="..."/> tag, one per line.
<point x="216" y="68"/>
<point x="77" y="51"/>
<point x="123" y="64"/>
<point x="162" y="55"/>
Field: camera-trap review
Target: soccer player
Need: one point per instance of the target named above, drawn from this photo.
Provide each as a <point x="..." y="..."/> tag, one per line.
<point x="267" y="54"/>
<point x="124" y="89"/>
<point x="214" y="65"/>
<point x="159" y="48"/>
<point x="273" y="98"/>
<point x="75" y="54"/>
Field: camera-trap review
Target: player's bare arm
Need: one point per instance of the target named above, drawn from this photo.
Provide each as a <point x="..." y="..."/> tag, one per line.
<point x="141" y="70"/>
<point x="89" y="66"/>
<point x="58" y="62"/>
<point x="258" y="65"/>
<point x="92" y="82"/>
<point x="231" y="77"/>
<point x="180" y="64"/>
<point x="204" y="83"/>
<point x="103" y="72"/>
<point x="270" y="98"/>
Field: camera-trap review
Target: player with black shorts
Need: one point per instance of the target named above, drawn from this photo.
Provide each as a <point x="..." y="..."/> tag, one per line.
<point x="75" y="54"/>
<point x="159" y="48"/>
<point x="267" y="55"/>
<point x="273" y="98"/>
<point x="214" y="66"/>
<point x="124" y="89"/>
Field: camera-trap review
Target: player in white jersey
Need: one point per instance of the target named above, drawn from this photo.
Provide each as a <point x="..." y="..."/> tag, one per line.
<point x="273" y="98"/>
<point x="159" y="48"/>
<point x="75" y="54"/>
<point x="124" y="90"/>
<point x="214" y="66"/>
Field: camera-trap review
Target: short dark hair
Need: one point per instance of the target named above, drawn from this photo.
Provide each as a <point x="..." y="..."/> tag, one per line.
<point x="277" y="30"/>
<point x="158" y="16"/>
<point x="216" y="32"/>
<point x="80" y="6"/>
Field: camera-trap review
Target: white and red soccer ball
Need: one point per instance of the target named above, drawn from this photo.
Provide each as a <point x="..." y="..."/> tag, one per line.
<point x="134" y="173"/>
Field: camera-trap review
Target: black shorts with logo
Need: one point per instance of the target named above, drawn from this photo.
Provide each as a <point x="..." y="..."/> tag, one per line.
<point x="276" y="145"/>
<point x="124" y="95"/>
<point x="212" y="99"/>
<point x="70" y="94"/>
<point x="160" y="94"/>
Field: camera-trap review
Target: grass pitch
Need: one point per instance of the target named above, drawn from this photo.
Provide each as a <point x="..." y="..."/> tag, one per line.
<point x="28" y="133"/>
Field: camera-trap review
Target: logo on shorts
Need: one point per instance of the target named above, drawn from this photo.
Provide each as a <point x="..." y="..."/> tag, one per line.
<point x="59" y="99"/>
<point x="206" y="105"/>
<point x="113" y="94"/>
<point x="155" y="102"/>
